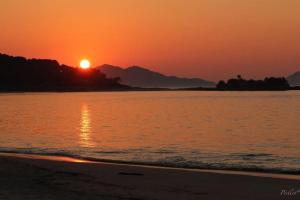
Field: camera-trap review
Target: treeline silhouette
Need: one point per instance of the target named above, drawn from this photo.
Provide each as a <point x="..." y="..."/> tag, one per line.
<point x="269" y="83"/>
<point x="21" y="74"/>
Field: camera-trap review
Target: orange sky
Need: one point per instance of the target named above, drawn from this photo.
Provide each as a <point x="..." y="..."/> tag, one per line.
<point x="212" y="39"/>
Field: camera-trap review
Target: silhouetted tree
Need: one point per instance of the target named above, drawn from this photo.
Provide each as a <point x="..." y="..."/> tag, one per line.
<point x="271" y="83"/>
<point x="21" y="74"/>
<point x="221" y="85"/>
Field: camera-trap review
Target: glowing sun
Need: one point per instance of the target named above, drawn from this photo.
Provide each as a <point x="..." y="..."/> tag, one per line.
<point x="84" y="64"/>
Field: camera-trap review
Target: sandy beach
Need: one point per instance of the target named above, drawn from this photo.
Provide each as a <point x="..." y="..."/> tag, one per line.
<point x="45" y="177"/>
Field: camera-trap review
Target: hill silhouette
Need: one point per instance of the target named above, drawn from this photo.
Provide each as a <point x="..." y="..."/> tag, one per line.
<point x="21" y="74"/>
<point x="294" y="79"/>
<point x="136" y="76"/>
<point x="240" y="84"/>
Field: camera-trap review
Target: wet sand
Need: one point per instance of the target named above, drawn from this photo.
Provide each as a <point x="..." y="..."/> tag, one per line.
<point x="45" y="177"/>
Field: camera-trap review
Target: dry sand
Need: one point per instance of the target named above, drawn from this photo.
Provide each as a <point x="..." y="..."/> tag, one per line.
<point x="42" y="177"/>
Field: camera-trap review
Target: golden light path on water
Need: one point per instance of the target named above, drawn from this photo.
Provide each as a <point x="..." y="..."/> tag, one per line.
<point x="85" y="127"/>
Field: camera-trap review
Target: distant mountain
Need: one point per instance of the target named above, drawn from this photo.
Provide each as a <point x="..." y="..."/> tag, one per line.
<point x="21" y="74"/>
<point x="140" y="77"/>
<point x="294" y="79"/>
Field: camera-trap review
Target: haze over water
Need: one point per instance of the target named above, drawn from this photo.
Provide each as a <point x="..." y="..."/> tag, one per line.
<point x="240" y="130"/>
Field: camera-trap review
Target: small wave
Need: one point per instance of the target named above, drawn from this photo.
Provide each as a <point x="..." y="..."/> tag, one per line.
<point x="111" y="152"/>
<point x="163" y="152"/>
<point x="38" y="151"/>
<point x="251" y="154"/>
<point x="170" y="161"/>
<point x="117" y="151"/>
<point x="254" y="156"/>
<point x="134" y="151"/>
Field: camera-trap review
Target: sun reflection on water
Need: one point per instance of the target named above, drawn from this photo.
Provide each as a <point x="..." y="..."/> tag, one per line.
<point x="85" y="127"/>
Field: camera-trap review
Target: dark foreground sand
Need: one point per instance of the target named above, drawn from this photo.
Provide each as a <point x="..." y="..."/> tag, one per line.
<point x="33" y="177"/>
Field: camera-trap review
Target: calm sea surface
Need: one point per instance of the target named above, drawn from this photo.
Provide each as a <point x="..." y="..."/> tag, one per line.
<point x="223" y="130"/>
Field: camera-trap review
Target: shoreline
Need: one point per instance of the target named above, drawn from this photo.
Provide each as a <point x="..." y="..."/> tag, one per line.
<point x="129" y="164"/>
<point x="25" y="176"/>
<point x="133" y="89"/>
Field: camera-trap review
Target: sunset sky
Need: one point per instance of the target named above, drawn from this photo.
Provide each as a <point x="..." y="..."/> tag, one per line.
<point x="211" y="39"/>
